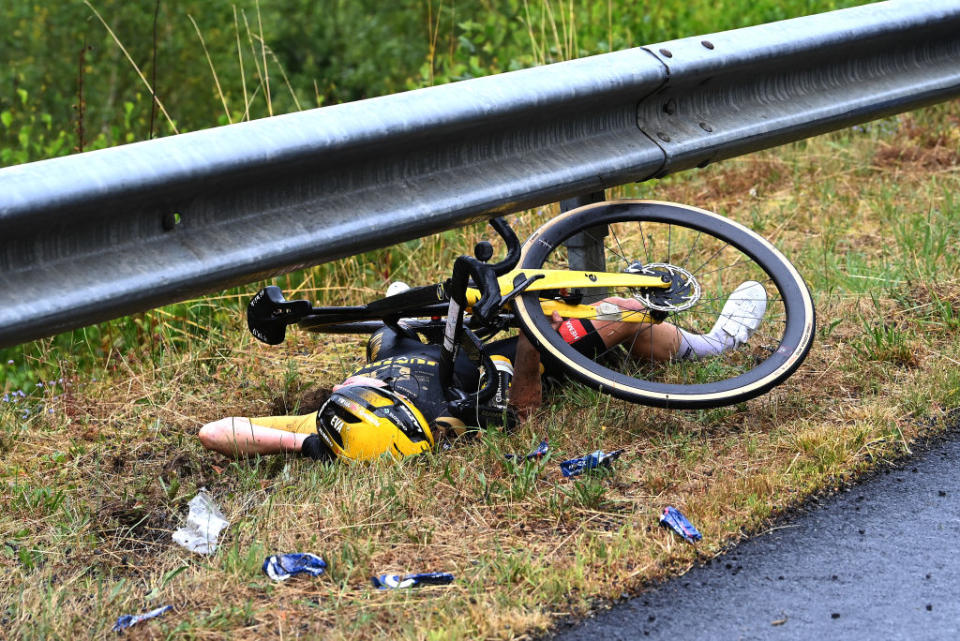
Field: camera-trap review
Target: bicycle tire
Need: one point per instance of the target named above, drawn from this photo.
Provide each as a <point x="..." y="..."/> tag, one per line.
<point x="766" y="360"/>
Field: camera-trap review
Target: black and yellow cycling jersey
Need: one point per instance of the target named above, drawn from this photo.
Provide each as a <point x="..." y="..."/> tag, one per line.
<point x="412" y="368"/>
<point x="304" y="424"/>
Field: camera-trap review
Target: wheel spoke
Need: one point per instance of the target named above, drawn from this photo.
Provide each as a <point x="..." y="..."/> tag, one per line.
<point x="707" y="268"/>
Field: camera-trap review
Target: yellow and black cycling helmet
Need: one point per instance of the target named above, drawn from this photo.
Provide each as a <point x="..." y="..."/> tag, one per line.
<point x="361" y="422"/>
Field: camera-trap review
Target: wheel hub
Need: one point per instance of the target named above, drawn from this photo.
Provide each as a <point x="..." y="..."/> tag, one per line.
<point x="683" y="292"/>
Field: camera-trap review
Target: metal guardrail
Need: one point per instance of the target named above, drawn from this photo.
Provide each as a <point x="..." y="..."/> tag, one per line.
<point x="101" y="234"/>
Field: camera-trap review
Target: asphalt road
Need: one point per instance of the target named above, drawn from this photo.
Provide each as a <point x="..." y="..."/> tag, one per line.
<point x="878" y="561"/>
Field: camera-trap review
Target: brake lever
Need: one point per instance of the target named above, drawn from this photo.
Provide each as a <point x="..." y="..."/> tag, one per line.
<point x="519" y="288"/>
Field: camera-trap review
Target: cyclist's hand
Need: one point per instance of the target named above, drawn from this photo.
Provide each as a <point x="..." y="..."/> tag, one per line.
<point x="556" y="320"/>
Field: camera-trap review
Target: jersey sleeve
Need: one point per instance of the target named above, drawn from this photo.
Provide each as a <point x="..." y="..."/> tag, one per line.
<point x="306" y="424"/>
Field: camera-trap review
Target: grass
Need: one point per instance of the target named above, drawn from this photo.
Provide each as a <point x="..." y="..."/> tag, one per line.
<point x="99" y="460"/>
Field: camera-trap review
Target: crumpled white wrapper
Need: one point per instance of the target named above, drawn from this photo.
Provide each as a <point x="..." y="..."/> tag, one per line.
<point x="204" y="524"/>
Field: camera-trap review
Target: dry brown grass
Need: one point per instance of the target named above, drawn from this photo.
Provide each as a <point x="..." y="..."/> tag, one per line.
<point x="93" y="490"/>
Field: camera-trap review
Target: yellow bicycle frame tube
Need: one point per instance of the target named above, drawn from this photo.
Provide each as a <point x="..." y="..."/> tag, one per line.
<point x="568" y="279"/>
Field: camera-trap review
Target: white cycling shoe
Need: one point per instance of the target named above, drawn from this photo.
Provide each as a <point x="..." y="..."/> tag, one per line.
<point x="741" y="314"/>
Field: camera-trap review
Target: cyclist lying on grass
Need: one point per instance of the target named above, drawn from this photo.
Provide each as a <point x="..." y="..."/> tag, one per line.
<point x="395" y="403"/>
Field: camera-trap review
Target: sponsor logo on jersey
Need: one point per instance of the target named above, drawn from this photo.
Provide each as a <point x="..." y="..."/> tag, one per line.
<point x="572" y="330"/>
<point x="400" y="361"/>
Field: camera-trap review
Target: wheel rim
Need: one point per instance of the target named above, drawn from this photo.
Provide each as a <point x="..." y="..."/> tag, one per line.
<point x="718" y="254"/>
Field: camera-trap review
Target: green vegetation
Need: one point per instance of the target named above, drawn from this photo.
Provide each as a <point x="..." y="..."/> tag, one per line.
<point x="97" y="426"/>
<point x="67" y="84"/>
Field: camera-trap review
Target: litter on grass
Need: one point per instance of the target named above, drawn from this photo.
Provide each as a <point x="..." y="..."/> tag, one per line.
<point x="575" y="466"/>
<point x="128" y="620"/>
<point x="676" y="521"/>
<point x="281" y="567"/>
<point x="393" y="581"/>
<point x="538" y="453"/>
<point x="205" y="521"/>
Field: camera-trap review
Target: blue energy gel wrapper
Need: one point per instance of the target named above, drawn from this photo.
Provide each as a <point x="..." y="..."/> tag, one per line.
<point x="281" y="567"/>
<point x="676" y="521"/>
<point x="128" y="620"/>
<point x="575" y="466"/>
<point x="393" y="581"/>
<point x="541" y="451"/>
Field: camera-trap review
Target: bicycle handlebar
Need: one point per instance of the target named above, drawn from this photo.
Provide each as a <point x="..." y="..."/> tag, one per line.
<point x="513" y="247"/>
<point x="485" y="275"/>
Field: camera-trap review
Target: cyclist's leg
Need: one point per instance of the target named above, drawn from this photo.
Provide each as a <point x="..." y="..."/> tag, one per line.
<point x="657" y="342"/>
<point x="706" y="256"/>
<point x="738" y="320"/>
<point x="648" y="341"/>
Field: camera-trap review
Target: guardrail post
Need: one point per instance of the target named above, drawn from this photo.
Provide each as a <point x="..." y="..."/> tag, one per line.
<point x="585" y="250"/>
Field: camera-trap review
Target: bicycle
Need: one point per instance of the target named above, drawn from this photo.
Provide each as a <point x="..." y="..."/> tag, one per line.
<point x="680" y="262"/>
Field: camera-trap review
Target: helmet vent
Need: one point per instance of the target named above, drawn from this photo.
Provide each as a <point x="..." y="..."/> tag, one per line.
<point x="344" y="415"/>
<point x="332" y="414"/>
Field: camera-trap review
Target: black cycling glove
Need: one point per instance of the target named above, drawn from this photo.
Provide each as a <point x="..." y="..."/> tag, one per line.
<point x="314" y="447"/>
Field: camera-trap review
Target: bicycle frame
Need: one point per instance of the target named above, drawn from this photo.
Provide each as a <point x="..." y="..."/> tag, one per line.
<point x="557" y="279"/>
<point x="432" y="300"/>
<point x="481" y="299"/>
<point x="494" y="287"/>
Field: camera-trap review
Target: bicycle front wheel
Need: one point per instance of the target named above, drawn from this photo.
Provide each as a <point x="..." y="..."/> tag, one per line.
<point x="707" y="257"/>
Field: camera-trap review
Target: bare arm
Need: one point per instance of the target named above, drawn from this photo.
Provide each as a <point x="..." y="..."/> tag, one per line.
<point x="526" y="388"/>
<point x="658" y="342"/>
<point x="237" y="436"/>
